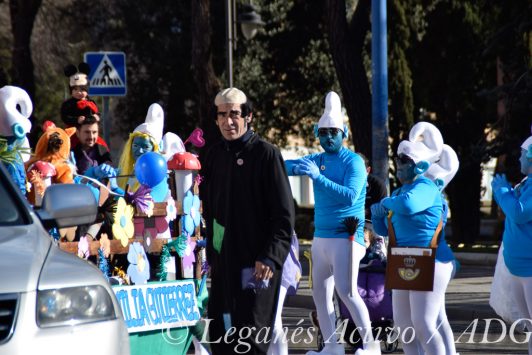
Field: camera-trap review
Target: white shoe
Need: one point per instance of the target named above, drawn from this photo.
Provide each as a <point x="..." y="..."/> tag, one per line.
<point x="330" y="349"/>
<point x="370" y="348"/>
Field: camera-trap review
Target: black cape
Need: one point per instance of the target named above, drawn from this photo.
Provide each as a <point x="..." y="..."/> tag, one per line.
<point x="246" y="190"/>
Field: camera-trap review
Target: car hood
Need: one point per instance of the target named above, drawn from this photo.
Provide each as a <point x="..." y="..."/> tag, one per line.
<point x="23" y="250"/>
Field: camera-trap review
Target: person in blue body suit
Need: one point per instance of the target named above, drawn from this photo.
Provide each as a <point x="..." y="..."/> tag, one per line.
<point x="516" y="203"/>
<point x="416" y="210"/>
<point x="339" y="180"/>
<point x="441" y="173"/>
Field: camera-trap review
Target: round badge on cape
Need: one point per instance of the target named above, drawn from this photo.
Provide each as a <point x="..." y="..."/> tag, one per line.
<point x="240" y="161"/>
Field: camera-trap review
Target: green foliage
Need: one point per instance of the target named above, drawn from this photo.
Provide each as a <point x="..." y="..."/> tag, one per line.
<point x="288" y="68"/>
<point x="11" y="153"/>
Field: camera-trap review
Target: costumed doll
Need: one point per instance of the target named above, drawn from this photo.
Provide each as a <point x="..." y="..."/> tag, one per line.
<point x="53" y="147"/>
<point x="415" y="213"/>
<point x="516" y="204"/>
<point x="339" y="180"/>
<point x="143" y="168"/>
<point x="14" y="125"/>
<point x="73" y="110"/>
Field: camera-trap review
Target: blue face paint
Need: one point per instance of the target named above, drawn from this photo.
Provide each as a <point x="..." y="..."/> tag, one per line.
<point x="331" y="141"/>
<point x="140" y="146"/>
<point x="526" y="164"/>
<point x="405" y="170"/>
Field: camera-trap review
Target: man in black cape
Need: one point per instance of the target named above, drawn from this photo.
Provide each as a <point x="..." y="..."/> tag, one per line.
<point x="248" y="207"/>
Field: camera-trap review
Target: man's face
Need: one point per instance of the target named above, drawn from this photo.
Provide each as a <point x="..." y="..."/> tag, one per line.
<point x="331" y="139"/>
<point x="87" y="134"/>
<point x="79" y="93"/>
<point x="140" y="146"/>
<point x="230" y="121"/>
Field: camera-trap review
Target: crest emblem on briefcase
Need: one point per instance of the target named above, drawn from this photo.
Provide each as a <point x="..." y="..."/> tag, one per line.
<point x="408" y="273"/>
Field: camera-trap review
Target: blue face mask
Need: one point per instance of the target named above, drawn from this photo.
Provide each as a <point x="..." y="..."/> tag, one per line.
<point x="526" y="164"/>
<point x="331" y="139"/>
<point x="405" y="170"/>
<point x="140" y="146"/>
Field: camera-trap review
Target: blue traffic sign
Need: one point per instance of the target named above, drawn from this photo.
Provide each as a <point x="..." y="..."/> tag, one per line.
<point x="108" y="73"/>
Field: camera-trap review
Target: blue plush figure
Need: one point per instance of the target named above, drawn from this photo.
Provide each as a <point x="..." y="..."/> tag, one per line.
<point x="14" y="125"/>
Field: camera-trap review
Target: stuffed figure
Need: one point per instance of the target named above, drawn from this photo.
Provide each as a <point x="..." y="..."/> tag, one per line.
<point x="73" y="110"/>
<point x="53" y="147"/>
<point x="14" y="125"/>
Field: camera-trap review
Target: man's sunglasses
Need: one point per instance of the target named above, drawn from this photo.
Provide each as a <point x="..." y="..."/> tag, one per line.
<point x="324" y="132"/>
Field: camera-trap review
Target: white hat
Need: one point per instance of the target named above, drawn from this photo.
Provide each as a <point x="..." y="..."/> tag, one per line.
<point x="77" y="76"/>
<point x="12" y="121"/>
<point x="425" y="142"/>
<point x="172" y="144"/>
<point x="154" y="123"/>
<point x="332" y="115"/>
<point x="445" y="169"/>
<point x="230" y="96"/>
<point x="527" y="143"/>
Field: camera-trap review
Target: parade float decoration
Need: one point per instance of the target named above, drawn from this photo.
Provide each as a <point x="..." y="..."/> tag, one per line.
<point x="15" y="109"/>
<point x="157" y="229"/>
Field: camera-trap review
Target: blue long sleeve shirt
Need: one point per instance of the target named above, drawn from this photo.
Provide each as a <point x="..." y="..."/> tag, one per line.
<point x="339" y="192"/>
<point x="517" y="238"/>
<point x="417" y="211"/>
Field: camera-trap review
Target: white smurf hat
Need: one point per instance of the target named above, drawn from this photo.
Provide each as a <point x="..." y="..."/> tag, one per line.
<point x="154" y="123"/>
<point x="425" y="142"/>
<point x="445" y="169"/>
<point x="332" y="115"/>
<point x="527" y="143"/>
<point x="172" y="144"/>
<point x="230" y="96"/>
<point x="12" y="121"/>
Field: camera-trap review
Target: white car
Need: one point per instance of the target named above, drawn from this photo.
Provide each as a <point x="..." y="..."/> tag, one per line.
<point x="52" y="302"/>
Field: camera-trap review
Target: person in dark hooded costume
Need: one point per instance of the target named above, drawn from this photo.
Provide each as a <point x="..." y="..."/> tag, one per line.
<point x="249" y="213"/>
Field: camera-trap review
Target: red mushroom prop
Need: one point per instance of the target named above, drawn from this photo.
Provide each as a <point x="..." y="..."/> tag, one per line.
<point x="41" y="173"/>
<point x="183" y="163"/>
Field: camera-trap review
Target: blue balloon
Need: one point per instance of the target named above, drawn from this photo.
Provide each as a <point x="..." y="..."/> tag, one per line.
<point x="150" y="169"/>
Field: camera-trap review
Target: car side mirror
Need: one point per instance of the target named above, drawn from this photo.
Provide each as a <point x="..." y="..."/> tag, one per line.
<point x="67" y="205"/>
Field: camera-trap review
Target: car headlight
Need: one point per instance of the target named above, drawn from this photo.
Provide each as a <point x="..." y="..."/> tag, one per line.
<point x="74" y="305"/>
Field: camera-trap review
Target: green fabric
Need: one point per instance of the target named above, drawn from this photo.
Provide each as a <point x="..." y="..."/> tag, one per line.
<point x="174" y="341"/>
<point x="218" y="235"/>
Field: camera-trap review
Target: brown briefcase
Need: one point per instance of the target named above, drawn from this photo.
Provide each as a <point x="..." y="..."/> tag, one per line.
<point x="410" y="268"/>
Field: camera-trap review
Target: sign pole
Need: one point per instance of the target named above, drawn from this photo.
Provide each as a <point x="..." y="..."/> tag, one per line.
<point x="106" y="121"/>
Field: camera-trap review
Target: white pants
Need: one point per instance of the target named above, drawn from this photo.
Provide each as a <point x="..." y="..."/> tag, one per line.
<point x="522" y="293"/>
<point x="279" y="342"/>
<point x="331" y="258"/>
<point x="418" y="311"/>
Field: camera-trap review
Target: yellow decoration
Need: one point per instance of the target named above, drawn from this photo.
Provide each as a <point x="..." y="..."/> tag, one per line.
<point x="141" y="263"/>
<point x="123" y="227"/>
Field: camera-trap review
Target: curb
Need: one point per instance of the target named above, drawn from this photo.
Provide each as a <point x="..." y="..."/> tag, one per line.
<point x="484" y="259"/>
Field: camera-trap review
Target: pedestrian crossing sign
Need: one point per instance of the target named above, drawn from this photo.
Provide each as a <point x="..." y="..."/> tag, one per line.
<point x="108" y="73"/>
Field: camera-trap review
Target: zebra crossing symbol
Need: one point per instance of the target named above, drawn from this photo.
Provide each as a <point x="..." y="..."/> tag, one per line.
<point x="108" y="73"/>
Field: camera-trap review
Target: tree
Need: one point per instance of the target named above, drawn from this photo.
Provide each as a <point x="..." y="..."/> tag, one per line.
<point x="510" y="47"/>
<point x="453" y="43"/>
<point x="346" y="40"/>
<point x="207" y="82"/>
<point x="23" y="13"/>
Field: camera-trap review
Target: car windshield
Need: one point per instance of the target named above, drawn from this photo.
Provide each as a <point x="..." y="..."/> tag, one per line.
<point x="11" y="209"/>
